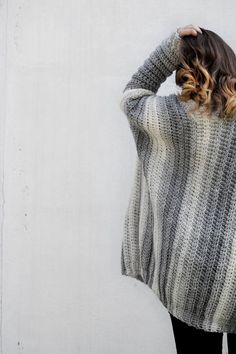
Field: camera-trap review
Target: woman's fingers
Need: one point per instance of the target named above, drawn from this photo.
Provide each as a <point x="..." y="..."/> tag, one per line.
<point x="188" y="30"/>
<point x="196" y="27"/>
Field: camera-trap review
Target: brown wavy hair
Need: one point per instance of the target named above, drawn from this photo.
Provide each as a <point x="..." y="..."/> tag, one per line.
<point x="207" y="73"/>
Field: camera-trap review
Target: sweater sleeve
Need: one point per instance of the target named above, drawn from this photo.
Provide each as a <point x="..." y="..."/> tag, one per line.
<point x="140" y="91"/>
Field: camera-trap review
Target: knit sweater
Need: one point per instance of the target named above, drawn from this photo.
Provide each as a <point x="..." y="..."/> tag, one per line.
<point x="180" y="224"/>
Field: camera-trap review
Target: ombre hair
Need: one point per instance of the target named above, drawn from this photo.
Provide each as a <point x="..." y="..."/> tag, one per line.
<point x="207" y="73"/>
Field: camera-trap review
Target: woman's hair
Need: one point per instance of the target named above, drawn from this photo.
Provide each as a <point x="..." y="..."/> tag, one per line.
<point x="207" y="73"/>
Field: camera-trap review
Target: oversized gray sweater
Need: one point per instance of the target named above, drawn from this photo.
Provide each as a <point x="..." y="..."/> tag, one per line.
<point x="180" y="225"/>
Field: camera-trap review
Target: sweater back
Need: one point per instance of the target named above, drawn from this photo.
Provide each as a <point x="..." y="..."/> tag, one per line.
<point x="180" y="223"/>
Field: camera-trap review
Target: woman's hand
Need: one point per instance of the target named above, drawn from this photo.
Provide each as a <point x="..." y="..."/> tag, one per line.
<point x="189" y="30"/>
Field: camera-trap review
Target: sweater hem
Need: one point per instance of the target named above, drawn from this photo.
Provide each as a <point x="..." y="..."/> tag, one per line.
<point x="203" y="325"/>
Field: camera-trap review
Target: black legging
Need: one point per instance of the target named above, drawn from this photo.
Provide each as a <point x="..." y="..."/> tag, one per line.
<point x="191" y="340"/>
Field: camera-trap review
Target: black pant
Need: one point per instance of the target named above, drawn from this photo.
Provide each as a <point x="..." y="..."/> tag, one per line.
<point x="191" y="340"/>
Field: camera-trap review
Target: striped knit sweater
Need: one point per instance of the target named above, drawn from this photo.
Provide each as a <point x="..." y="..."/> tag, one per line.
<point x="180" y="225"/>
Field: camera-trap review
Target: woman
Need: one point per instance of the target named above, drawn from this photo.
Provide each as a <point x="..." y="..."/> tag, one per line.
<point x="180" y="224"/>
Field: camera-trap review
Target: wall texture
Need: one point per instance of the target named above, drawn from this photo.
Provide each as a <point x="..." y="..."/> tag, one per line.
<point x="67" y="159"/>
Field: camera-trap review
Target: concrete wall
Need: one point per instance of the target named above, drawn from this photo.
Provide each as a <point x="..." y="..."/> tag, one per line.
<point x="67" y="159"/>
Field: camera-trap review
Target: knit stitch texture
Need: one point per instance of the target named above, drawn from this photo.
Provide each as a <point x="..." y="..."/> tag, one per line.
<point x="180" y="225"/>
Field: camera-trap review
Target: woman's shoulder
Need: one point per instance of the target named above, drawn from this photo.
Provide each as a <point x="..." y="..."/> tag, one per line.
<point x="186" y="109"/>
<point x="173" y="100"/>
<point x="173" y="106"/>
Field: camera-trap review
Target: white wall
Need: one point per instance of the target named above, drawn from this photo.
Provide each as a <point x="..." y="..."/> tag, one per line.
<point x="67" y="159"/>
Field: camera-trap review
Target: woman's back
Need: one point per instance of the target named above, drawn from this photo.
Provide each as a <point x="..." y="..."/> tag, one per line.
<point x="180" y="224"/>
